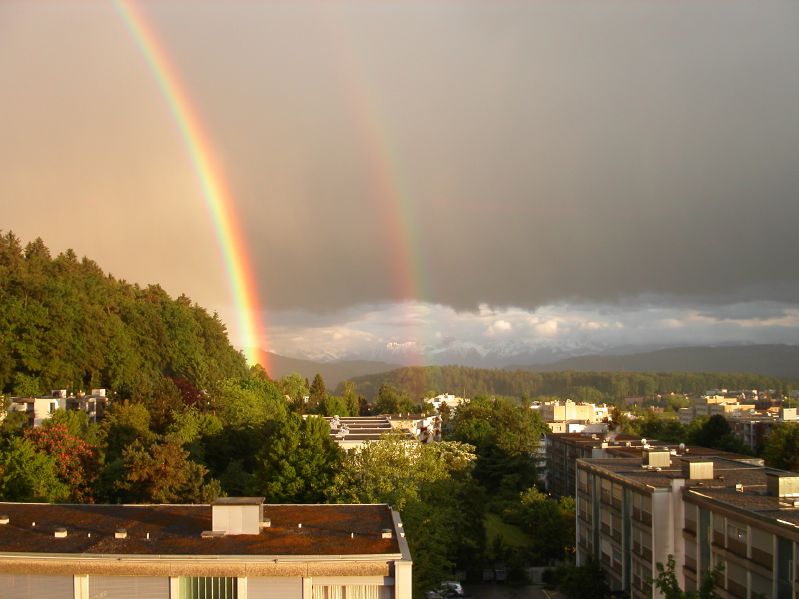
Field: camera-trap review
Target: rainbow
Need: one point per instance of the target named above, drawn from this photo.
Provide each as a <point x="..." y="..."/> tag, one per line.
<point x="217" y="196"/>
<point x="391" y="193"/>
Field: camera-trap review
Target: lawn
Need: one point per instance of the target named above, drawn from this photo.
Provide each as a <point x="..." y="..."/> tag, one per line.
<point x="512" y="536"/>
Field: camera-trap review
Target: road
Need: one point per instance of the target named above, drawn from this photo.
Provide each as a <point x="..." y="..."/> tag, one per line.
<point x="504" y="591"/>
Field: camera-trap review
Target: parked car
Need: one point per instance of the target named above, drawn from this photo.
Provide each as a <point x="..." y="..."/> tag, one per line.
<point x="446" y="590"/>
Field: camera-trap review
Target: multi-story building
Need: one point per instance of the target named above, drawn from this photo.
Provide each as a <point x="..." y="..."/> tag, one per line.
<point x="563" y="451"/>
<point x="39" y="409"/>
<point x="704" y="511"/>
<point x="352" y="432"/>
<point x="236" y="548"/>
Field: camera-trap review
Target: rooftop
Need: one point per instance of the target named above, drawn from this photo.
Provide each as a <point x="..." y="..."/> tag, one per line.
<point x="173" y="530"/>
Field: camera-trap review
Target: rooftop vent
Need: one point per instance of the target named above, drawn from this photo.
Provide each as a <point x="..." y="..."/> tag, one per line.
<point x="238" y="515"/>
<point x="782" y="484"/>
<point x="386" y="533"/>
<point x="60" y="533"/>
<point x="4" y="519"/>
<point x="656" y="458"/>
<point x="212" y="534"/>
<point x="693" y="469"/>
<point x="121" y="533"/>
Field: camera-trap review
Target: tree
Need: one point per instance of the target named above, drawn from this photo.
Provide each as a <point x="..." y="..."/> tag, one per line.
<point x="587" y="581"/>
<point x="294" y="388"/>
<point x="163" y="473"/>
<point x="124" y="424"/>
<point x="781" y="449"/>
<point x="76" y="461"/>
<point x="431" y="485"/>
<point x="506" y="437"/>
<point x="297" y="462"/>
<point x="716" y="433"/>
<point x="318" y="391"/>
<point x="391" y="401"/>
<point x="29" y="475"/>
<point x="666" y="582"/>
<point x="551" y="523"/>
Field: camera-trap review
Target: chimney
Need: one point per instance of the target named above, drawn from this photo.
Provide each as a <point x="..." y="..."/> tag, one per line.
<point x="60" y="533"/>
<point x="238" y="515"/>
<point x="784" y="485"/>
<point x="656" y="458"/>
<point x="697" y="469"/>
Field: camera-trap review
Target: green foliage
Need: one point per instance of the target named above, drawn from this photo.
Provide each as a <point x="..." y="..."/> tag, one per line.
<point x="76" y="461"/>
<point x="317" y="392"/>
<point x="125" y="423"/>
<point x="551" y="523"/>
<point x="391" y="401"/>
<point x="162" y="473"/>
<point x="587" y="581"/>
<point x="294" y="388"/>
<point x="64" y="323"/>
<point x="614" y="386"/>
<point x="506" y="437"/>
<point x="243" y="403"/>
<point x="666" y="582"/>
<point x="297" y="462"/>
<point x="431" y="485"/>
<point x="29" y="475"/>
<point x="715" y="432"/>
<point x="781" y="449"/>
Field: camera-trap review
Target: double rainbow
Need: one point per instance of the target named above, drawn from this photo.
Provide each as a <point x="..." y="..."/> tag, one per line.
<point x="215" y="192"/>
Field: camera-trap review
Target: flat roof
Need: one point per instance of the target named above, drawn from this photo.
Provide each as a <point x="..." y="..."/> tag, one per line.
<point x="632" y="470"/>
<point x="327" y="530"/>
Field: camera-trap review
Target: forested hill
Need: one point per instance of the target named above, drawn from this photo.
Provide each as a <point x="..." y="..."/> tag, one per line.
<point x="770" y="360"/>
<point x="66" y="324"/>
<point x="608" y="386"/>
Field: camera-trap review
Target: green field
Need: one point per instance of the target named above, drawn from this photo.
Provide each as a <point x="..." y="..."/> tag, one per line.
<point x="512" y="535"/>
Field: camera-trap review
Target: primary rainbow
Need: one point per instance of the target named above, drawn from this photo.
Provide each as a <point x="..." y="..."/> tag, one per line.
<point x="217" y="196"/>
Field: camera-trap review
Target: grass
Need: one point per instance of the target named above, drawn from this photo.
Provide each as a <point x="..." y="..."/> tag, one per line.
<point x="512" y="536"/>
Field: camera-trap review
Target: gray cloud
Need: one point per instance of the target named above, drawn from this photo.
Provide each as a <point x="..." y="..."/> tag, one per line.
<point x="509" y="154"/>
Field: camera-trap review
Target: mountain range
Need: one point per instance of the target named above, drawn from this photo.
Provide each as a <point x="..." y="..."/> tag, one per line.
<point x="768" y="360"/>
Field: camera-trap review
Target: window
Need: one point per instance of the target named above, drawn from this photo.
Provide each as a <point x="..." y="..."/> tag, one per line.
<point x="351" y="591"/>
<point x="207" y="587"/>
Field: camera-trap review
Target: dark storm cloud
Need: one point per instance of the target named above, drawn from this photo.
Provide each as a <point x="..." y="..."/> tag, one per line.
<point x="589" y="151"/>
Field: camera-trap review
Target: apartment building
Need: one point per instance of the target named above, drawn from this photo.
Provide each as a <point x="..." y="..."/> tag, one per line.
<point x="236" y="548"/>
<point x="41" y="408"/>
<point x="633" y="513"/>
<point x="563" y="451"/>
<point x="353" y="432"/>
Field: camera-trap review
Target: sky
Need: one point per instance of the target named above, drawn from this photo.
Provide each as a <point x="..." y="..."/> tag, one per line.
<point x="416" y="180"/>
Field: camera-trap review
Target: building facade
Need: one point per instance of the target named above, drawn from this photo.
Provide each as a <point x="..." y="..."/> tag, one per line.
<point x="633" y="513"/>
<point x="236" y="548"/>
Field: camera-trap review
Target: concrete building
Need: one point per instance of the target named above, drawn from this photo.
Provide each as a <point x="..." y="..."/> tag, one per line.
<point x="236" y="548"/>
<point x="352" y="432"/>
<point x="447" y="399"/>
<point x="39" y="409"/>
<point x="563" y="451"/>
<point x="633" y="513"/>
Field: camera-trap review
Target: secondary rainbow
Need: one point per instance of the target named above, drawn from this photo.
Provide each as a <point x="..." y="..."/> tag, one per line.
<point x="215" y="192"/>
<point x="385" y="169"/>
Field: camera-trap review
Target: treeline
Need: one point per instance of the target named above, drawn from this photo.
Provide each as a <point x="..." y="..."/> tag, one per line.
<point x="65" y="323"/>
<point x="420" y="382"/>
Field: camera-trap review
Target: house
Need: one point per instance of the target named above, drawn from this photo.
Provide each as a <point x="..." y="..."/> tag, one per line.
<point x="235" y="548"/>
<point x="41" y="408"/>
